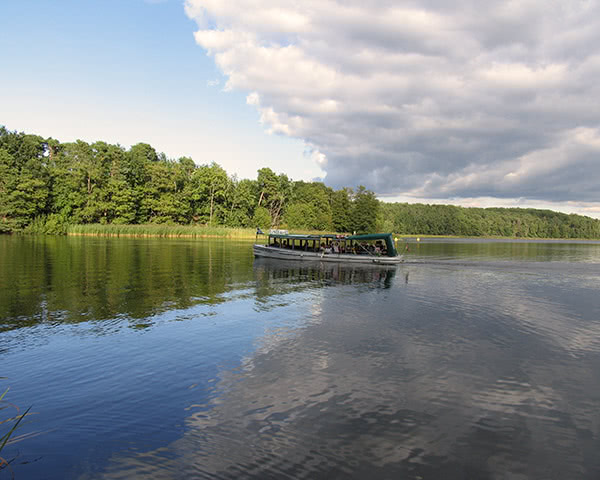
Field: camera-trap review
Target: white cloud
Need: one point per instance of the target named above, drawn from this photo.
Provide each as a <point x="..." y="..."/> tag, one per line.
<point x="423" y="99"/>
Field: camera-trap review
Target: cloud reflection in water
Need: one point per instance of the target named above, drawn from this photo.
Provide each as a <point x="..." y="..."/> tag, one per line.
<point x="419" y="371"/>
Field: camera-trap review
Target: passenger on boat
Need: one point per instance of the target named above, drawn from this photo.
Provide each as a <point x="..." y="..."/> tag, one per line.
<point x="325" y="248"/>
<point x="378" y="246"/>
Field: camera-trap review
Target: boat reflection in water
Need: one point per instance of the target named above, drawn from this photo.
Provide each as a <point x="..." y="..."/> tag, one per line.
<point x="272" y="274"/>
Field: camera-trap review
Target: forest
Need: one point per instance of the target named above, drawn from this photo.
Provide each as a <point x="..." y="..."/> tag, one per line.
<point x="46" y="185"/>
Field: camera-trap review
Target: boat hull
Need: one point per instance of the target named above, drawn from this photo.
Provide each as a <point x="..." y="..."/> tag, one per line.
<point x="265" y="251"/>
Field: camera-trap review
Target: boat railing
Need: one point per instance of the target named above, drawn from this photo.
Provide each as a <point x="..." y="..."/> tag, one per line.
<point x="366" y="249"/>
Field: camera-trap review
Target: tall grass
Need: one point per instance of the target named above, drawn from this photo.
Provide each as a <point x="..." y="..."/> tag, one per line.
<point x="160" y="230"/>
<point x="8" y="426"/>
<point x="171" y="230"/>
<point x="55" y="225"/>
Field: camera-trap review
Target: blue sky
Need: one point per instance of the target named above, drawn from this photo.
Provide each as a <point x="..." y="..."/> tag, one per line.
<point x="127" y="71"/>
<point x="429" y="102"/>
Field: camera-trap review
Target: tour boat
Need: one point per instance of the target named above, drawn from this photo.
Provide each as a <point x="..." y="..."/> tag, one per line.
<point x="372" y="248"/>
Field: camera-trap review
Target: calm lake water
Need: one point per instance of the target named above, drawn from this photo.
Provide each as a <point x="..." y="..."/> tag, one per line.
<point x="171" y="359"/>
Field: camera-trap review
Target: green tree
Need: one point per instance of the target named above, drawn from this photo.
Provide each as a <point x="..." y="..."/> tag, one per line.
<point x="364" y="211"/>
<point x="208" y="192"/>
<point x="341" y="210"/>
<point x="301" y="216"/>
<point x="124" y="201"/>
<point x="313" y="199"/>
<point x="273" y="193"/>
<point x="242" y="203"/>
<point x="161" y="202"/>
<point x="261" y="218"/>
<point x="8" y="183"/>
<point x="25" y="181"/>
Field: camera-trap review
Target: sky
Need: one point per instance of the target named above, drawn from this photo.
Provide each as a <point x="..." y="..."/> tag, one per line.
<point x="473" y="103"/>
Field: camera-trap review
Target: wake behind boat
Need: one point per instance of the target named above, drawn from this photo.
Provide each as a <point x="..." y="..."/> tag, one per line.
<point x="373" y="248"/>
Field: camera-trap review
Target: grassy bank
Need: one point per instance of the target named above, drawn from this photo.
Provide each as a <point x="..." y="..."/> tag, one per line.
<point x="151" y="230"/>
<point x="201" y="231"/>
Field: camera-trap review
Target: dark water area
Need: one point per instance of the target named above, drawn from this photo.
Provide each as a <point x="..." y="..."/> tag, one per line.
<point x="169" y="359"/>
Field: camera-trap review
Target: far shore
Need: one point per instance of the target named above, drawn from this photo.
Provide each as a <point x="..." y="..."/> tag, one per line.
<point x="201" y="231"/>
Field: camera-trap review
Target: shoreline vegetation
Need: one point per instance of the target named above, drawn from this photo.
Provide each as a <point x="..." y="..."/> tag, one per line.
<point x="81" y="188"/>
<point x="150" y="230"/>
<point x="202" y="231"/>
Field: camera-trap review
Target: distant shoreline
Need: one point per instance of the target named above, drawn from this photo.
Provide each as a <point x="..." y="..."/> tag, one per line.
<point x="189" y="231"/>
<point x="240" y="233"/>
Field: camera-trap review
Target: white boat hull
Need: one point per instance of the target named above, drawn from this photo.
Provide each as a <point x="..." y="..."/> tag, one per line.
<point x="288" y="254"/>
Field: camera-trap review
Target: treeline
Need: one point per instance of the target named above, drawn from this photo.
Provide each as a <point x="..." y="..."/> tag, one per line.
<point x="490" y="222"/>
<point x="46" y="185"/>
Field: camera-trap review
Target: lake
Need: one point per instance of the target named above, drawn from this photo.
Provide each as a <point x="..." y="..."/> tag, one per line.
<point x="179" y="358"/>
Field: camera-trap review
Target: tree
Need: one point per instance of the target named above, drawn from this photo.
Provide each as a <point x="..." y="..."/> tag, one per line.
<point x="273" y="192"/>
<point x="24" y="182"/>
<point x="261" y="218"/>
<point x="312" y="199"/>
<point x="364" y="211"/>
<point x="136" y="162"/>
<point x="242" y="203"/>
<point x="300" y="215"/>
<point x="162" y="201"/>
<point x="341" y="210"/>
<point x="208" y="191"/>
<point x="8" y="184"/>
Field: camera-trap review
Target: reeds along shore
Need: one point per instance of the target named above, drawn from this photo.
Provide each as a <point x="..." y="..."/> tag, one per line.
<point x="203" y="231"/>
<point x="150" y="230"/>
<point x="163" y="230"/>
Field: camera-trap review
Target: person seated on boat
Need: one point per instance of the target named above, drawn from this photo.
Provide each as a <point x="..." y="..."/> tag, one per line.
<point x="285" y="244"/>
<point x="275" y="243"/>
<point x="335" y="247"/>
<point x="378" y="247"/>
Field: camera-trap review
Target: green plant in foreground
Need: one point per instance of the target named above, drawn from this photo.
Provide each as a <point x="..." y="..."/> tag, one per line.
<point x="13" y="424"/>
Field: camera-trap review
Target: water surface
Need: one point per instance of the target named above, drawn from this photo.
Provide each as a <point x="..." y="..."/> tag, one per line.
<point x="160" y="359"/>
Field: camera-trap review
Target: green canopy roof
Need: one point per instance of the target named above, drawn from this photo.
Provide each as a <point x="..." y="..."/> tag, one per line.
<point x="293" y="236"/>
<point x="386" y="237"/>
<point x="370" y="236"/>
